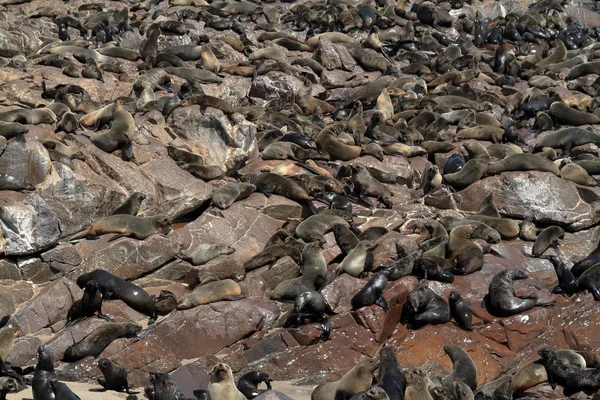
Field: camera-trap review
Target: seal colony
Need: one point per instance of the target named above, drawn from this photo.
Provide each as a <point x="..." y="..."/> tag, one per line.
<point x="371" y="136"/>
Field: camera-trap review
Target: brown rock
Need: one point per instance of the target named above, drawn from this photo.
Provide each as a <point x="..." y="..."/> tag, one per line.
<point x="339" y="293"/>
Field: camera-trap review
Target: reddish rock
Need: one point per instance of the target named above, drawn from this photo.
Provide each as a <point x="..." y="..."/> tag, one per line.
<point x="12" y="294"/>
<point x="50" y="305"/>
<point x="339" y="293"/>
<point x="385" y="253"/>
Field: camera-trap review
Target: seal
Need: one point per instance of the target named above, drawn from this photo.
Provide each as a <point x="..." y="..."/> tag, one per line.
<point x="314" y="227"/>
<point x="344" y="237"/>
<point x="222" y="385"/>
<point x="203" y="253"/>
<point x="7" y="385"/>
<point x="229" y="193"/>
<point x="328" y="142"/>
<point x="375" y="393"/>
<point x="212" y="292"/>
<point x="366" y="185"/>
<point x="403" y="266"/>
<point x="423" y="306"/>
<point x="454" y="164"/>
<point x="43" y="375"/>
<point x="416" y="386"/>
<point x="523" y="162"/>
<point x="468" y="256"/>
<point x="508" y="228"/>
<point x="354" y="263"/>
<point x="460" y="310"/>
<point x="271" y="254"/>
<point x="89" y="304"/>
<point x="357" y="380"/>
<point x="592" y="259"/>
<point x="576" y="173"/>
<point x="7" y="340"/>
<point x="571" y="378"/>
<point x="164" y="387"/>
<point x="462" y="391"/>
<point x="115" y="376"/>
<point x="590" y="281"/>
<point x="570" y="116"/>
<point x="113" y="287"/>
<point x="248" y="383"/>
<point x="567" y="139"/>
<point x="165" y="302"/>
<point x="95" y="343"/>
<point x="204" y="172"/>
<point x="371" y="293"/>
<point x="313" y="276"/>
<point x="546" y="239"/>
<point x="473" y="170"/>
<point x="463" y="368"/>
<point x="12" y="129"/>
<point x="309" y="307"/>
<point x="62" y="391"/>
<point x="269" y="184"/>
<point x="433" y="268"/>
<point x="528" y="231"/>
<point x="34" y="116"/>
<point x="535" y="373"/>
<point x="431" y="179"/>
<point x="128" y="225"/>
<point x="391" y="377"/>
<point x="132" y="204"/>
<point x="566" y="280"/>
<point x="501" y="300"/>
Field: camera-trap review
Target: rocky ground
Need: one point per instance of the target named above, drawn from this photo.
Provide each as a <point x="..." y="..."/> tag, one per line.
<point x="39" y="266"/>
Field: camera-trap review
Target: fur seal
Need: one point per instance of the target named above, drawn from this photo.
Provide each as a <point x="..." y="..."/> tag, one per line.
<point x="357" y="380"/>
<point x="345" y="238"/>
<point x="164" y="388"/>
<point x="354" y="263"/>
<point x="128" y="225"/>
<point x="309" y="307"/>
<point x="366" y="185"/>
<point x="454" y="164"/>
<point x="371" y="293"/>
<point x="30" y="117"/>
<point x="501" y="300"/>
<point x="327" y="141"/>
<point x="90" y="304"/>
<point x="271" y="254"/>
<point x="314" y="227"/>
<point x="222" y="386"/>
<point x="62" y="391"/>
<point x="115" y="376"/>
<point x="459" y="308"/>
<point x="463" y="367"/>
<point x="248" y="383"/>
<point x="403" y="265"/>
<point x="391" y="376"/>
<point x="567" y="139"/>
<point x="468" y="256"/>
<point x="132" y="204"/>
<point x="506" y="227"/>
<point x="375" y="393"/>
<point x="113" y="287"/>
<point x="94" y="343"/>
<point x="431" y="179"/>
<point x="528" y="231"/>
<point x="569" y="116"/>
<point x="416" y="386"/>
<point x="205" y="252"/>
<point x="582" y="265"/>
<point x="12" y="129"/>
<point x="547" y="238"/>
<point x="43" y="375"/>
<point x="523" y="162"/>
<point x="473" y="170"/>
<point x="7" y="340"/>
<point x="535" y="373"/>
<point x="229" y="193"/>
<point x="590" y="281"/>
<point x="571" y="378"/>
<point x="212" y="292"/>
<point x="7" y="385"/>
<point x="577" y="174"/>
<point x="165" y="302"/>
<point x="268" y="184"/>
<point x="423" y="306"/>
<point x="566" y="280"/>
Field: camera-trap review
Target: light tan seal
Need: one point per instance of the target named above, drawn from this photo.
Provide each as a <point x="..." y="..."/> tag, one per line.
<point x="473" y="170"/>
<point x="7" y="340"/>
<point x="222" y="386"/>
<point x="128" y="225"/>
<point x="212" y="292"/>
<point x="357" y="380"/>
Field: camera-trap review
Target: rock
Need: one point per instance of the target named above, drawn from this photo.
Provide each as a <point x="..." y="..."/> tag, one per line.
<point x="273" y="395"/>
<point x="49" y="306"/>
<point x="126" y="258"/>
<point x="543" y="196"/>
<point x="285" y="268"/>
<point x="339" y="293"/>
<point x="275" y="86"/>
<point x="9" y="270"/>
<point x="385" y="253"/>
<point x="12" y="294"/>
<point x="34" y="270"/>
<point x="24" y="353"/>
<point x="326" y="55"/>
<point x="63" y="257"/>
<point x="211" y="135"/>
<point x="27" y="160"/>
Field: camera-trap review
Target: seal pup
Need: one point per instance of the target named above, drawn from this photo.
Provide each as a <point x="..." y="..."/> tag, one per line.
<point x="203" y="253"/>
<point x="42" y="377"/>
<point x="115" y="376"/>
<point x="546" y="239"/>
<point x="315" y="227"/>
<point x="416" y="386"/>
<point x="164" y="388"/>
<point x="7" y="340"/>
<point x="222" y="386"/>
<point x="423" y="306"/>
<point x="113" y="287"/>
<point x="463" y="367"/>
<point x="473" y="170"/>
<point x="211" y="292"/>
<point x="309" y="307"/>
<point x="354" y="263"/>
<point x="94" y="343"/>
<point x="128" y="225"/>
<point x="229" y="193"/>
<point x="468" y="255"/>
<point x="459" y="308"/>
<point x="89" y="304"/>
<point x="271" y="254"/>
<point x="248" y="383"/>
<point x="165" y="302"/>
<point x="132" y="205"/>
<point x="391" y="376"/>
<point x="357" y="380"/>
<point x="7" y="385"/>
<point x="9" y="182"/>
<point x="571" y="378"/>
<point x="372" y="292"/>
<point x="501" y="300"/>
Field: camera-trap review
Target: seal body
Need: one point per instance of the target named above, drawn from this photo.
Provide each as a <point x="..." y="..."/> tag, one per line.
<point x="222" y="386"/>
<point x="248" y="383"/>
<point x="210" y="293"/>
<point x="227" y="194"/>
<point x="460" y="311"/>
<point x="391" y="377"/>
<point x="164" y="388"/>
<point x="115" y="377"/>
<point x="94" y="343"/>
<point x="372" y="292"/>
<point x="357" y="380"/>
<point x="463" y="367"/>
<point x="113" y="287"/>
<point x="62" y="391"/>
<point x="424" y="306"/>
<point x="42" y="377"/>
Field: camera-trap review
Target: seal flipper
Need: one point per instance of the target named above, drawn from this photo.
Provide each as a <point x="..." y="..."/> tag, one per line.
<point x="102" y="383"/>
<point x="120" y="235"/>
<point x="104" y="316"/>
<point x="327" y="327"/>
<point x="234" y="298"/>
<point x="127" y="151"/>
<point x="266" y="191"/>
<point x="382" y="303"/>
